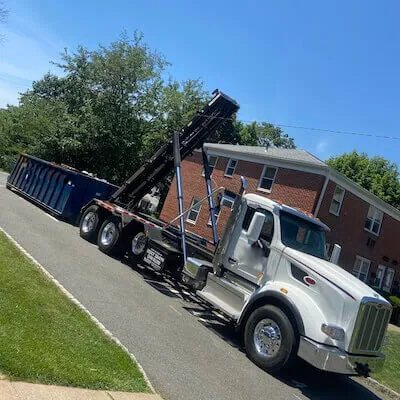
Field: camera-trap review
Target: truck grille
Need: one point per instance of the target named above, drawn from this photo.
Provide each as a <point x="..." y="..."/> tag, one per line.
<point x="370" y="327"/>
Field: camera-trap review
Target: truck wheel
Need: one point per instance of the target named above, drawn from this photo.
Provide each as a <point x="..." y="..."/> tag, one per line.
<point x="138" y="247"/>
<point x="109" y="238"/>
<point x="90" y="224"/>
<point x="270" y="339"/>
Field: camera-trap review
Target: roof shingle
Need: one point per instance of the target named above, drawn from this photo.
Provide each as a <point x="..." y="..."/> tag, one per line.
<point x="291" y="155"/>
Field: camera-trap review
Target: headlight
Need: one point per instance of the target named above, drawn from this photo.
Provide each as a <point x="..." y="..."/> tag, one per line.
<point x="333" y="331"/>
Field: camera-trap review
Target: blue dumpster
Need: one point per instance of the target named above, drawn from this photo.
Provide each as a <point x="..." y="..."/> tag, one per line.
<point x="59" y="189"/>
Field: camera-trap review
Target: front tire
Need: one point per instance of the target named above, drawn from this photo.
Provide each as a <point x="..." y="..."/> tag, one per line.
<point x="109" y="239"/>
<point x="270" y="339"/>
<point x="90" y="224"/>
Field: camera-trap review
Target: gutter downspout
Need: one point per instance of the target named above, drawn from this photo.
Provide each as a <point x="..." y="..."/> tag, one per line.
<point x="322" y="194"/>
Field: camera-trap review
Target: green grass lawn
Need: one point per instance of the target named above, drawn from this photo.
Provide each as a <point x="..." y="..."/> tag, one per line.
<point x="390" y="375"/>
<point x="46" y="338"/>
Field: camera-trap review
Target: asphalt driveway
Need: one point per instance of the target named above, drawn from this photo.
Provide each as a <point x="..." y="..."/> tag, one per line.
<point x="187" y="351"/>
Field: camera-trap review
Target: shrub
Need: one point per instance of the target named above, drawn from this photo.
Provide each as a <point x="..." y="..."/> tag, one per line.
<point x="395" y="301"/>
<point x="395" y="318"/>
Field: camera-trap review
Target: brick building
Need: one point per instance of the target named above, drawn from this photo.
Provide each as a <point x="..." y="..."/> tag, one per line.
<point x="367" y="228"/>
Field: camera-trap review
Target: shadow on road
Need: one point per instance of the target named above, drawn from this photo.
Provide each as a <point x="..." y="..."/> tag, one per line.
<point x="311" y="382"/>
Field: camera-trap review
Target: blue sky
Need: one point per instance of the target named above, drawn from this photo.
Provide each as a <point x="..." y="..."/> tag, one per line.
<point x="331" y="65"/>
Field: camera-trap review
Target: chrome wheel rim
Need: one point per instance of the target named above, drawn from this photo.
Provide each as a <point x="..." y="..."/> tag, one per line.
<point x="89" y="222"/>
<point x="139" y="243"/>
<point x="267" y="337"/>
<point x="108" y="234"/>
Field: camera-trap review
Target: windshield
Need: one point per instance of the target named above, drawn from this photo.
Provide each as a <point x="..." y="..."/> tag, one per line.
<point x="302" y="235"/>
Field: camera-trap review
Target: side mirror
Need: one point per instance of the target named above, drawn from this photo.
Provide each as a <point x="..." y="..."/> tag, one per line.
<point x="256" y="224"/>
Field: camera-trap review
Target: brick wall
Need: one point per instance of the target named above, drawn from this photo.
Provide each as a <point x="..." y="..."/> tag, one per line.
<point x="294" y="188"/>
<point x="347" y="229"/>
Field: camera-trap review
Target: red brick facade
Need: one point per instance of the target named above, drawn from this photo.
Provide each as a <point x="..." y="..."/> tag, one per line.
<point x="298" y="189"/>
<point x="347" y="229"/>
<point x="294" y="188"/>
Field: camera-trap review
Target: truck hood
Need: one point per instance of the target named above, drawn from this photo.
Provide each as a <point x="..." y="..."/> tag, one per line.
<point x="336" y="275"/>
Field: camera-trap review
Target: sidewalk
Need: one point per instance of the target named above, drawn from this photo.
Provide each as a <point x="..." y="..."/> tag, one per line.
<point x="31" y="391"/>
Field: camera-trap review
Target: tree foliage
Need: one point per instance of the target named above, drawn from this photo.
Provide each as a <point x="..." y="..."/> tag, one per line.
<point x="253" y="134"/>
<point x="105" y="113"/>
<point x="376" y="174"/>
<point x="109" y="109"/>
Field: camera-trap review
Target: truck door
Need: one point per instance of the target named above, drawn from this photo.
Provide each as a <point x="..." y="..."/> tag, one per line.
<point x="250" y="261"/>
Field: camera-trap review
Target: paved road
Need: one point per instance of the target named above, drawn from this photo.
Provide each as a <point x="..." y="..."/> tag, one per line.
<point x="187" y="352"/>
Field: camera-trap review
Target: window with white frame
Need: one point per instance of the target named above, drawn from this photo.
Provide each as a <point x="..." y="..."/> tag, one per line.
<point x="227" y="200"/>
<point x="212" y="162"/>
<point x="337" y="200"/>
<point x="217" y="211"/>
<point x="361" y="268"/>
<point x="230" y="167"/>
<point x="387" y="282"/>
<point x="374" y="220"/>
<point x="194" y="212"/>
<point x="380" y="274"/>
<point x="267" y="178"/>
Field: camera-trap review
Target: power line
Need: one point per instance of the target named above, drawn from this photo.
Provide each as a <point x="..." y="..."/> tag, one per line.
<point x="339" y="132"/>
<point x="365" y="134"/>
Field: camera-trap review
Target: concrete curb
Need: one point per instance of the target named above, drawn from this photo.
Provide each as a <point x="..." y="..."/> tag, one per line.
<point x="375" y="384"/>
<point x="81" y="306"/>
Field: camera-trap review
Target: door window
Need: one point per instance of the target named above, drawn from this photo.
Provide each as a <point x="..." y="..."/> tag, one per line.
<point x="361" y="268"/>
<point x="388" y="280"/>
<point x="267" y="231"/>
<point x="380" y="273"/>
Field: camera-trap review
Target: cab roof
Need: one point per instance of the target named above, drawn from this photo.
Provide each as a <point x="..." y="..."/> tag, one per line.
<point x="263" y="201"/>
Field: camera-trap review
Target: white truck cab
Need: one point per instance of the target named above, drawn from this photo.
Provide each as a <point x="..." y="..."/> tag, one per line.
<point x="270" y="274"/>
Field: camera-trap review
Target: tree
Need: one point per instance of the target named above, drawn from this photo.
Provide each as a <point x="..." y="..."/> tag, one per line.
<point x="376" y="174"/>
<point x="257" y="133"/>
<point x="253" y="134"/>
<point x="109" y="110"/>
<point x="106" y="113"/>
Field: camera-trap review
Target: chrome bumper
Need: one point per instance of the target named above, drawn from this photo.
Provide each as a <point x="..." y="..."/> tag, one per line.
<point x="332" y="359"/>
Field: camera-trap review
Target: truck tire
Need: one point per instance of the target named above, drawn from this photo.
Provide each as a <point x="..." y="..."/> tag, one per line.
<point x="109" y="239"/>
<point x="138" y="246"/>
<point x="270" y="339"/>
<point x="90" y="223"/>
